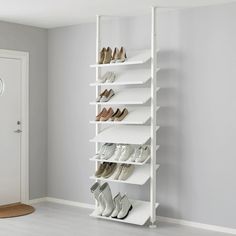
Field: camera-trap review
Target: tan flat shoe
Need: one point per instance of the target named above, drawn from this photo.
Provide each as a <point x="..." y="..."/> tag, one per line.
<point x="107" y="96"/>
<point x="102" y="113"/>
<point x="123" y="114"/>
<point x="101" y="169"/>
<point x="101" y="56"/>
<point x="115" y="56"/>
<point x="108" y="56"/>
<point x="122" y="55"/>
<point x="116" y="114"/>
<point x="101" y="95"/>
<point x="110" y="169"/>
<point x="107" y="115"/>
<point x="126" y="172"/>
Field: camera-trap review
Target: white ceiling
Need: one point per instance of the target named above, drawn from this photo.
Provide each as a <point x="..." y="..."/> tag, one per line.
<point x="55" y="13"/>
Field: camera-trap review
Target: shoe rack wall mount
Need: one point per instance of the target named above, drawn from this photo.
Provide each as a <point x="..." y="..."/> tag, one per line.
<point x="140" y="213"/>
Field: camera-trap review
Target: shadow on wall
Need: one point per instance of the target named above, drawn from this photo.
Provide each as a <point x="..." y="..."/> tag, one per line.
<point x="168" y="136"/>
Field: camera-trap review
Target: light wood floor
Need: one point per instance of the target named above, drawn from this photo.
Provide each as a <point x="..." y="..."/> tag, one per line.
<point x="58" y="220"/>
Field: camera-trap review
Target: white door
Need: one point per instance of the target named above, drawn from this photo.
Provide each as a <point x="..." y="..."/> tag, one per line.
<point x="10" y="139"/>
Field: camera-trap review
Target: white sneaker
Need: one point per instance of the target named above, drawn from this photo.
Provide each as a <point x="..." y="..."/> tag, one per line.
<point x="127" y="150"/>
<point x="145" y="153"/>
<point x="136" y="154"/>
<point x="108" y="151"/>
<point x="102" y="149"/>
<point x="117" y="153"/>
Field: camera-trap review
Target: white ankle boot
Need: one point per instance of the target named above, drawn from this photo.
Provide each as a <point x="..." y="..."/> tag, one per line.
<point x="126" y="207"/>
<point x="95" y="189"/>
<point x="117" y="209"/>
<point x="107" y="198"/>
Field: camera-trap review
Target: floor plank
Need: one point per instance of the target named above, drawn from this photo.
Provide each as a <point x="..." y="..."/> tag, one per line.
<point x="51" y="219"/>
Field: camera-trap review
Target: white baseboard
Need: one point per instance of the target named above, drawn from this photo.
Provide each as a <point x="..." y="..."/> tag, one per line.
<point x="37" y="200"/>
<point x="69" y="203"/>
<point x="159" y="218"/>
<point x="197" y="225"/>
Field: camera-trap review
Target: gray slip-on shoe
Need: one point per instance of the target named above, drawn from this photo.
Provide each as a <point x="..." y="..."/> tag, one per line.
<point x="108" y="172"/>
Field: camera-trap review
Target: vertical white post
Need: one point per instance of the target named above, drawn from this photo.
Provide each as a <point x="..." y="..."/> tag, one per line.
<point x="153" y="121"/>
<point x="98" y="74"/>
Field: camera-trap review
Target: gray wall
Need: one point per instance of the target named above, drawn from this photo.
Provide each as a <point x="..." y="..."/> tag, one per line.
<point x="70" y="51"/>
<point x="197" y="99"/>
<point x="207" y="103"/>
<point x="34" y="41"/>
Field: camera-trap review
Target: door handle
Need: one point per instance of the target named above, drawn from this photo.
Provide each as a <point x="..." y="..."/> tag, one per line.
<point x="18" y="131"/>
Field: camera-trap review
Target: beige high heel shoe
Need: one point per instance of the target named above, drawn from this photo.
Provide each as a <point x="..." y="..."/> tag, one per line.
<point x="122" y="55"/>
<point x="115" y="56"/>
<point x="108" y="56"/>
<point x="101" y="114"/>
<point x="122" y="115"/>
<point x="101" y="56"/>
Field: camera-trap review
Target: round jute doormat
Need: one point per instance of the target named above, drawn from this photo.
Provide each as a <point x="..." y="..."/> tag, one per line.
<point x="15" y="210"/>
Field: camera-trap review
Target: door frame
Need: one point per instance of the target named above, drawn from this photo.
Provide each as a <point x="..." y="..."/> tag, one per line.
<point x="24" y="152"/>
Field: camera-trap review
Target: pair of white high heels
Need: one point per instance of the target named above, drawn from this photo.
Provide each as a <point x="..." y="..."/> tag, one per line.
<point x="108" y="77"/>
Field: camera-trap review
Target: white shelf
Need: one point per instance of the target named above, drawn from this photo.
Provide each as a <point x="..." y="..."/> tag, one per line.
<point x="134" y="58"/>
<point x="129" y="77"/>
<point x="122" y="162"/>
<point x="140" y="176"/>
<point x="131" y="96"/>
<point x="136" y="116"/>
<point x="133" y="134"/>
<point x="139" y="215"/>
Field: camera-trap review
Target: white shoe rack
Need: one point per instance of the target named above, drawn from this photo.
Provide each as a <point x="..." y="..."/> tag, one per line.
<point x="141" y="103"/>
